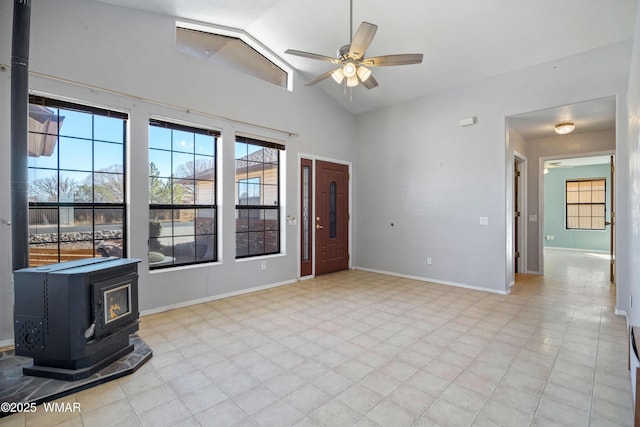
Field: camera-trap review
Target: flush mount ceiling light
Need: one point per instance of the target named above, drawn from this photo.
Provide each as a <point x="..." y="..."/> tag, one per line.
<point x="565" y="128"/>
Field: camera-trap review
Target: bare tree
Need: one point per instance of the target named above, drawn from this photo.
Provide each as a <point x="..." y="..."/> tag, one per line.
<point x="48" y="189"/>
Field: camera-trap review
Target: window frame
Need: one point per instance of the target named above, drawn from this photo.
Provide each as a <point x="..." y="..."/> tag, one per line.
<point x="579" y="204"/>
<point x="173" y="206"/>
<point x="250" y="211"/>
<point x="102" y="249"/>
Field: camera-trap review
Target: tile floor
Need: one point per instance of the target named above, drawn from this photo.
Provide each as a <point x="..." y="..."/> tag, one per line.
<point x="364" y="349"/>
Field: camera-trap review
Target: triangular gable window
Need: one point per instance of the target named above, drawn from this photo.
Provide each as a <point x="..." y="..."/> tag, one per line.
<point x="230" y="51"/>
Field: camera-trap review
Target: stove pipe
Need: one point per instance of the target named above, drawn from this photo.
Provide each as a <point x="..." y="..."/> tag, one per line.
<point x="19" y="134"/>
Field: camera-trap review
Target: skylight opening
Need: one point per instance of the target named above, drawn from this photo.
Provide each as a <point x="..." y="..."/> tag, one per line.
<point x="234" y="49"/>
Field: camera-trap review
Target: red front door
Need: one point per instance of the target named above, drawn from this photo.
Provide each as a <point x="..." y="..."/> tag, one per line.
<point x="332" y="217"/>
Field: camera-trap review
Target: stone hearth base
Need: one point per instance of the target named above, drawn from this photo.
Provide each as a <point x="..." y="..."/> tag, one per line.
<point x="16" y="387"/>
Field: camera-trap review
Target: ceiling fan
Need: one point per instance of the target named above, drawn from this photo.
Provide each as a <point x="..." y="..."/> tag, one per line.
<point x="554" y="165"/>
<point x="351" y="60"/>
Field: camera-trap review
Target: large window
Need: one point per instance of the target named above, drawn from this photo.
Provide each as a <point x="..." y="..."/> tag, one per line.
<point x="76" y="182"/>
<point x="586" y="204"/>
<point x="182" y="195"/>
<point x="257" y="197"/>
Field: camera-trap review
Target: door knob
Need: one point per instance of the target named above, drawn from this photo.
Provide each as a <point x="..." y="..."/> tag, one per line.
<point x="318" y="227"/>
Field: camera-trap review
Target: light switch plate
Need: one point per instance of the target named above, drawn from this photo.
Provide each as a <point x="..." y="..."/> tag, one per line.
<point x="484" y="220"/>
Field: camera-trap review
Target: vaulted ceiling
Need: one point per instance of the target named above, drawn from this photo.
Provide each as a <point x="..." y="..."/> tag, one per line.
<point x="462" y="40"/>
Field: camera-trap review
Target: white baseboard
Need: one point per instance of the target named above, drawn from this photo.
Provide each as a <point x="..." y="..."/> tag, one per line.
<point x="7" y="343"/>
<point x="439" y="282"/>
<point x="213" y="298"/>
<point x="533" y="272"/>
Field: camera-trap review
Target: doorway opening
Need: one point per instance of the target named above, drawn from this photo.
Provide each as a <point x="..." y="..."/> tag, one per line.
<point x="578" y="207"/>
<point x="532" y="137"/>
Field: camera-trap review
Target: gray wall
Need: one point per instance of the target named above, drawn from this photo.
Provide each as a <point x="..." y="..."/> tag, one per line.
<point x="629" y="243"/>
<point x="417" y="168"/>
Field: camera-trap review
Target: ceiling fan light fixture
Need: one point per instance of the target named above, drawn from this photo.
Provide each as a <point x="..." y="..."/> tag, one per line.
<point x="352" y="81"/>
<point x="349" y="69"/>
<point x="338" y="75"/>
<point x="364" y="73"/>
<point x="565" y="128"/>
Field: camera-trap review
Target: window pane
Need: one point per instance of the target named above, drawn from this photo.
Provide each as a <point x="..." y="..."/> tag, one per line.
<point x="43" y="225"/>
<point x="597" y="223"/>
<point x="573" y="186"/>
<point x="109" y="129"/>
<point x="598" y="197"/>
<point x="183" y="192"/>
<point x="205" y="144"/>
<point x="271" y="155"/>
<point x="43" y="151"/>
<point x="598" y="210"/>
<point x="585" y="197"/>
<point x="108" y="187"/>
<point x="205" y="167"/>
<point x="572" y="222"/>
<point x="573" y="197"/>
<point x="159" y="138"/>
<point x="272" y="244"/>
<point x="270" y="195"/>
<point x="160" y="163"/>
<point x="271" y="218"/>
<point x="43" y="185"/>
<point x="585" y="222"/>
<point x="183" y="141"/>
<point x="76" y="154"/>
<point x="205" y="192"/>
<point x="182" y="165"/>
<point x="108" y="156"/>
<point x="76" y="187"/>
<point x="256" y="221"/>
<point x="159" y="190"/>
<point x="205" y="221"/>
<point x="109" y="226"/>
<point x="242" y="244"/>
<point x="183" y="222"/>
<point x="76" y="124"/>
<point x="584" y="210"/>
<point x="43" y="254"/>
<point x="77" y="250"/>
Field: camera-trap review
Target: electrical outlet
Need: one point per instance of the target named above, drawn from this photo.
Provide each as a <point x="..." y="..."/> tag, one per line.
<point x="429" y="260"/>
<point x="263" y="265"/>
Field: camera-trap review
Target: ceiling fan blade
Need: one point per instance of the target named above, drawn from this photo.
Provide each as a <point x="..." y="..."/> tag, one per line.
<point x="320" y="78"/>
<point x="370" y="83"/>
<point x="362" y="39"/>
<point x="312" y="56"/>
<point x="387" y="60"/>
